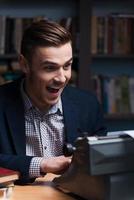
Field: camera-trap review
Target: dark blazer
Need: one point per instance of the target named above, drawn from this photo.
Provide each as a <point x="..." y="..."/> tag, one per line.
<point x="81" y="114"/>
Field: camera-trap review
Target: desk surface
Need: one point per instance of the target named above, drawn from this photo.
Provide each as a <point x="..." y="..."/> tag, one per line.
<point x="41" y="189"/>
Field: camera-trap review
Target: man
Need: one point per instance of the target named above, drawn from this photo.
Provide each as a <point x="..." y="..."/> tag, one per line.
<point x="39" y="113"/>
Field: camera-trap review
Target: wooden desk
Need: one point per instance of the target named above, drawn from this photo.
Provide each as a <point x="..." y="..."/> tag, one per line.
<point x="41" y="189"/>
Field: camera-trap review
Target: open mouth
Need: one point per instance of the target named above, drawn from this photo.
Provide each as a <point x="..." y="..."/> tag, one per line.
<point x="53" y="90"/>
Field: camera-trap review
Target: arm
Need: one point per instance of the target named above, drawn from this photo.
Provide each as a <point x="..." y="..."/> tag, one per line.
<point x="56" y="165"/>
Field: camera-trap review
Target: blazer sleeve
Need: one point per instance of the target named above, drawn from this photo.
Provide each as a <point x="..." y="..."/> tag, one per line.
<point x="91" y="117"/>
<point x="19" y="163"/>
<point x="99" y="124"/>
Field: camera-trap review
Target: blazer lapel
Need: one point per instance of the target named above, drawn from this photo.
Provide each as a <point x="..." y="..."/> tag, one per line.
<point x="70" y="112"/>
<point x="16" y="123"/>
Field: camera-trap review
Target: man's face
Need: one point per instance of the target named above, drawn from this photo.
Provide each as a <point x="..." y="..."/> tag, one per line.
<point x="48" y="74"/>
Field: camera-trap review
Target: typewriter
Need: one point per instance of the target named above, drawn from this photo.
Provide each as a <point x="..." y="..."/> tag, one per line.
<point x="102" y="168"/>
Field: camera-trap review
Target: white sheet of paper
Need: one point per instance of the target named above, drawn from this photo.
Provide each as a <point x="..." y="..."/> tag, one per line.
<point x="125" y="132"/>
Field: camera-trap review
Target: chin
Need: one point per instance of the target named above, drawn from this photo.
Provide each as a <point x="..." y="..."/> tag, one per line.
<point x="52" y="102"/>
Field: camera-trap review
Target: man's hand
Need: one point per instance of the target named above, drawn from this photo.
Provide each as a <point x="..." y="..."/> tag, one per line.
<point x="55" y="165"/>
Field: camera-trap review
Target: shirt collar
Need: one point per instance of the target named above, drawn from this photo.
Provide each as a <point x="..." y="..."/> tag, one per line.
<point x="57" y="108"/>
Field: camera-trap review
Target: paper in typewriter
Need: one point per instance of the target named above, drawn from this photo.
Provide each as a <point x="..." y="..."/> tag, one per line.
<point x="125" y="132"/>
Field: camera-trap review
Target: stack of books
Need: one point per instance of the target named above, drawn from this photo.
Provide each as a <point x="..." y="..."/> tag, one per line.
<point x="7" y="179"/>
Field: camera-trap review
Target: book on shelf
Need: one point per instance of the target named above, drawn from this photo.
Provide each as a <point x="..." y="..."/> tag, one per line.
<point x="131" y="93"/>
<point x="112" y="34"/>
<point x="7" y="179"/>
<point x="100" y="34"/>
<point x="94" y="34"/>
<point x="115" y="93"/>
<point x="12" y="29"/>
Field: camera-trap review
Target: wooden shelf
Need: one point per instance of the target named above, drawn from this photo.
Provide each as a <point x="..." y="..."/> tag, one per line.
<point x="9" y="57"/>
<point x="112" y="56"/>
<point x="119" y="116"/>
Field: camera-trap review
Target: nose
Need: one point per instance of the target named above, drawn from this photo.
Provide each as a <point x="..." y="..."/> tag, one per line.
<point x="60" y="76"/>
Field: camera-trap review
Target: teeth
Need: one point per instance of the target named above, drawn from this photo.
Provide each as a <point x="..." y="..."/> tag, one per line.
<point x="53" y="89"/>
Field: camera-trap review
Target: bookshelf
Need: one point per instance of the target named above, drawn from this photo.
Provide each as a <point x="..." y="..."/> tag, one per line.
<point x="112" y="60"/>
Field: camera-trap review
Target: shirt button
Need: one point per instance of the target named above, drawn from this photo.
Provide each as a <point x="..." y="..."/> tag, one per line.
<point x="45" y="147"/>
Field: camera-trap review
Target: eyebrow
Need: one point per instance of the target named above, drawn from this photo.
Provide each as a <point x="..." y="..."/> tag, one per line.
<point x="53" y="63"/>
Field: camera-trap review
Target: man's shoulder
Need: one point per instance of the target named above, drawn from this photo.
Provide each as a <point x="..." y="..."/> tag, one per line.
<point x="9" y="85"/>
<point x="79" y="94"/>
<point x="9" y="90"/>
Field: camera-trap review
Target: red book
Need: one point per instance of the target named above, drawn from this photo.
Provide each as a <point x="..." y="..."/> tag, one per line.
<point x="8" y="175"/>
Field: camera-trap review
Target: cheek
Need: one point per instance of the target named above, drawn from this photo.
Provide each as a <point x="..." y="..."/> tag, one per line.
<point x="40" y="77"/>
<point x="37" y="82"/>
<point x="68" y="75"/>
<point x="45" y="78"/>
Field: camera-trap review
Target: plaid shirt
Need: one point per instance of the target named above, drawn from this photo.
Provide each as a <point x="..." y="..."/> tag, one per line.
<point x="44" y="133"/>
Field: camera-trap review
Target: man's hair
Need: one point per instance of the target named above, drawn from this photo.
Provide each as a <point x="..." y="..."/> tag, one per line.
<point x="44" y="33"/>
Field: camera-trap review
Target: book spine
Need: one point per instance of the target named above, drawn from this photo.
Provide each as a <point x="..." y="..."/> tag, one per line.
<point x="100" y="34"/>
<point x="94" y="34"/>
<point x="2" y="34"/>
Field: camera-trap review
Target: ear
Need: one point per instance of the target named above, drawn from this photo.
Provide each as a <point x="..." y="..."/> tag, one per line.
<point x="23" y="64"/>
